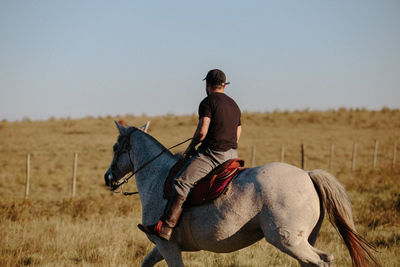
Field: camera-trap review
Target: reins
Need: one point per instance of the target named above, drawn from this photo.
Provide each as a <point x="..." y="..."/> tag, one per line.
<point x="144" y="165"/>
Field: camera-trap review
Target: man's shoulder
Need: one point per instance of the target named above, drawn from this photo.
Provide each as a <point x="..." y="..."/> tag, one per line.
<point x="227" y="100"/>
<point x="211" y="98"/>
<point x="216" y="99"/>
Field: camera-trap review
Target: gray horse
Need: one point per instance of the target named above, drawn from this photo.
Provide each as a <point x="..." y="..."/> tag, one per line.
<point x="277" y="201"/>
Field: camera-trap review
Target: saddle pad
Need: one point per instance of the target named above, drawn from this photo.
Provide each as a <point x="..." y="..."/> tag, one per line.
<point x="211" y="186"/>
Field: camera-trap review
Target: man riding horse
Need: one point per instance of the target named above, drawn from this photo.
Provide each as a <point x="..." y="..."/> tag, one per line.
<point x="218" y="131"/>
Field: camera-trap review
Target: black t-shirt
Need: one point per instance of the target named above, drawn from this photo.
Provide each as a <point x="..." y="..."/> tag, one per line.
<point x="225" y="118"/>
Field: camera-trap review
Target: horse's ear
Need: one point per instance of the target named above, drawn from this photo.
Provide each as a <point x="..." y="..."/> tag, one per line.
<point x="121" y="128"/>
<point x="145" y="127"/>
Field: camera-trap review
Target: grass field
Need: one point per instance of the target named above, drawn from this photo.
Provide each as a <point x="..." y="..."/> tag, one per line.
<point x="98" y="228"/>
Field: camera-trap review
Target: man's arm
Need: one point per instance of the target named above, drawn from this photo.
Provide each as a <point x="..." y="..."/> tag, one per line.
<point x="239" y="132"/>
<point x="199" y="135"/>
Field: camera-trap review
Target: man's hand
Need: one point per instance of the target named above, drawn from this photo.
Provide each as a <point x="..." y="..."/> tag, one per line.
<point x="189" y="152"/>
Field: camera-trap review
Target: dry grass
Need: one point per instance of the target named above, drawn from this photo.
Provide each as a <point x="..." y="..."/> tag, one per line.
<point x="98" y="228"/>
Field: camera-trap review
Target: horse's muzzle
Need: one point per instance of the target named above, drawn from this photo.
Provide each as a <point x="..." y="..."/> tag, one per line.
<point x="110" y="182"/>
<point x="108" y="177"/>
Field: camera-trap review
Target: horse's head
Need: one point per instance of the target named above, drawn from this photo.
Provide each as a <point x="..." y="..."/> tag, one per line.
<point x="121" y="163"/>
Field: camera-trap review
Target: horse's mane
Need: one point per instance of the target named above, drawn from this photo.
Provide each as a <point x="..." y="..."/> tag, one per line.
<point x="132" y="129"/>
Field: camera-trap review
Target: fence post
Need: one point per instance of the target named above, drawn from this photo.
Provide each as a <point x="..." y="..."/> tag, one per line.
<point x="253" y="156"/>
<point x="331" y="157"/>
<point x="375" y="153"/>
<point x="303" y="160"/>
<point x="146" y="127"/>
<point x="353" y="161"/>
<point x="394" y="154"/>
<point x="73" y="191"/>
<point x="28" y="171"/>
<point x="282" y="153"/>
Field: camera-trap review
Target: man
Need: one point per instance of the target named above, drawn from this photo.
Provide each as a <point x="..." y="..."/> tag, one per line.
<point x="218" y="131"/>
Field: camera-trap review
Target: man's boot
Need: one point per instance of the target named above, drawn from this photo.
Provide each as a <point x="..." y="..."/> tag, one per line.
<point x="168" y="221"/>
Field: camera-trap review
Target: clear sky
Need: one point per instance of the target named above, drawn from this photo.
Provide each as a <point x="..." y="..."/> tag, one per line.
<point x="95" y="58"/>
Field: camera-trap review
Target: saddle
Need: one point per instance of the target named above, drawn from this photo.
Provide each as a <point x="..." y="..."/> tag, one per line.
<point x="211" y="186"/>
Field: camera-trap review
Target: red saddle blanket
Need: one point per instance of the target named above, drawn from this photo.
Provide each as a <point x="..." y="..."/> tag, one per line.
<point x="211" y="186"/>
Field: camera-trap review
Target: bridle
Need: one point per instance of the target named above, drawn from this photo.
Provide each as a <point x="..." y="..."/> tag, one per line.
<point x="128" y="148"/>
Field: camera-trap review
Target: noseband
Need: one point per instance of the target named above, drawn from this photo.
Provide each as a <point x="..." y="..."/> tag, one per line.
<point x="128" y="147"/>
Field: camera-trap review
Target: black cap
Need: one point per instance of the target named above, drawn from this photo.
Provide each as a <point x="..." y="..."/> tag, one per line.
<point x="216" y="77"/>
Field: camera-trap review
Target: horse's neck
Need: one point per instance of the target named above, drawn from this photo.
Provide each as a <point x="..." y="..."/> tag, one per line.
<point x="150" y="180"/>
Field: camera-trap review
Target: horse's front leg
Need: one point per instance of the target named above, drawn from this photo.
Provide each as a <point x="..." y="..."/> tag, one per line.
<point x="170" y="251"/>
<point x="152" y="258"/>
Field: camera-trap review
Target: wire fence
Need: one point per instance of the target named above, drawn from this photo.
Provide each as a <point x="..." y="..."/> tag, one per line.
<point x="304" y="160"/>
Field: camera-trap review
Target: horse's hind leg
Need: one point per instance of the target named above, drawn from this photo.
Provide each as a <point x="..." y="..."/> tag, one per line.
<point x="313" y="238"/>
<point x="296" y="245"/>
<point x="328" y="258"/>
<point x="306" y="254"/>
<point x="152" y="258"/>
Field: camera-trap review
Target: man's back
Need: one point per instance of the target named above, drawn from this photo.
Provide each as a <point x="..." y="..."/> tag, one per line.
<point x="225" y="118"/>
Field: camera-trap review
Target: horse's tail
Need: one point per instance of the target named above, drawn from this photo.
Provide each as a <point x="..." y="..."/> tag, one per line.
<point x="338" y="207"/>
